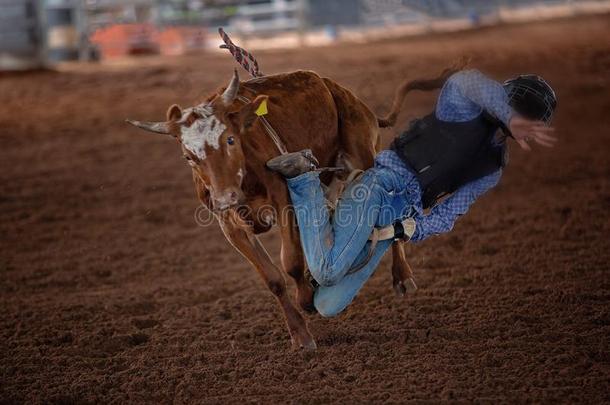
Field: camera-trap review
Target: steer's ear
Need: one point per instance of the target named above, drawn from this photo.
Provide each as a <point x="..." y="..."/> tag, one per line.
<point x="174" y="113"/>
<point x="250" y="112"/>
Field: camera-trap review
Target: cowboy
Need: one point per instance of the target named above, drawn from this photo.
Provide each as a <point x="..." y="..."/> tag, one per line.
<point x="429" y="176"/>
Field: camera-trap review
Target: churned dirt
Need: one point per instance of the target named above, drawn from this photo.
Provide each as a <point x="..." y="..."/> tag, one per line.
<point x="110" y="292"/>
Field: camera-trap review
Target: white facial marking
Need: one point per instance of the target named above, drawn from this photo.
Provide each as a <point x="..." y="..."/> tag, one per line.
<point x="204" y="131"/>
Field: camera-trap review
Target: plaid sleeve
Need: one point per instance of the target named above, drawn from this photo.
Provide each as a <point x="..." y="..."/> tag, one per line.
<point x="469" y="92"/>
<point x="442" y="217"/>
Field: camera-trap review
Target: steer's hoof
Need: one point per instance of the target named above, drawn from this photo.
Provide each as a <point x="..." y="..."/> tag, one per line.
<point x="405" y="286"/>
<point x="307" y="344"/>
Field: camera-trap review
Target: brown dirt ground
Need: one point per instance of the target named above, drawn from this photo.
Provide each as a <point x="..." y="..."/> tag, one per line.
<point x="111" y="293"/>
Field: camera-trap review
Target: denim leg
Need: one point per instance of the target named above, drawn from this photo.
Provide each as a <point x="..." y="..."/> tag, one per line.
<point x="332" y="245"/>
<point x="331" y="300"/>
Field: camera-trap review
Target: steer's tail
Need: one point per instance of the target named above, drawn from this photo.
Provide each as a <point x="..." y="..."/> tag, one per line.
<point x="418" y="84"/>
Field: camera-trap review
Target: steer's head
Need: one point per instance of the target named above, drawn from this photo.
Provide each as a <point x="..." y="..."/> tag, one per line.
<point x="209" y="136"/>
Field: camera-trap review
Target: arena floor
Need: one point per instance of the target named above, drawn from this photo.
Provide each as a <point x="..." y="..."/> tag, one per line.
<point x="110" y="292"/>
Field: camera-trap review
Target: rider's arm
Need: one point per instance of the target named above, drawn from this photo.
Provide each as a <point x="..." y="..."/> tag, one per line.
<point x="442" y="217"/>
<point x="467" y="93"/>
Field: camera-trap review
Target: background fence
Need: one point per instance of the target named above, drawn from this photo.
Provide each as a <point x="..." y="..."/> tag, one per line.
<point x="36" y="31"/>
<point x="21" y="36"/>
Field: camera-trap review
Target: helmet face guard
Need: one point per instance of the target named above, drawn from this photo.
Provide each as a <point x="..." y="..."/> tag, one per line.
<point x="531" y="97"/>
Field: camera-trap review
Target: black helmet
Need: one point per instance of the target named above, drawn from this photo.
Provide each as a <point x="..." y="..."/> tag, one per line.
<point x="532" y="97"/>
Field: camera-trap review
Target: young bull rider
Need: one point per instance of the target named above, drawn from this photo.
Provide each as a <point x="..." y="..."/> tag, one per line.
<point x="456" y="150"/>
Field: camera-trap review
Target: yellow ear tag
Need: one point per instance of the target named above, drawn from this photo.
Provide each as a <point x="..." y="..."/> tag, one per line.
<point x="262" y="108"/>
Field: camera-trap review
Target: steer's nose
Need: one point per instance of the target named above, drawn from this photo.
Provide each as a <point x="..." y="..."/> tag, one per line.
<point x="227" y="199"/>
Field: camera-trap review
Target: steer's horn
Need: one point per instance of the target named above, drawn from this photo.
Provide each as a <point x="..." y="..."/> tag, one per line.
<point x="229" y="95"/>
<point x="156" y="127"/>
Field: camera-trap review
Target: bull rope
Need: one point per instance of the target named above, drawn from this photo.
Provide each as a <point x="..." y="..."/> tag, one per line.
<point x="243" y="57"/>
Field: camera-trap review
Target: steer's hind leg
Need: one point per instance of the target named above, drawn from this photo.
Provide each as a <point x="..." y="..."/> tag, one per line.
<point x="250" y="247"/>
<point x="402" y="274"/>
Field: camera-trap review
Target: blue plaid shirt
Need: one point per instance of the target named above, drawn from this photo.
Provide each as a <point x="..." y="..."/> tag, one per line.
<point x="464" y="97"/>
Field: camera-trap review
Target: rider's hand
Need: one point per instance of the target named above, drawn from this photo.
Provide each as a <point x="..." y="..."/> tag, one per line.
<point x="525" y="130"/>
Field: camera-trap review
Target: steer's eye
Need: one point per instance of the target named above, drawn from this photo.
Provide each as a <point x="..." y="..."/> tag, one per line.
<point x="230" y="140"/>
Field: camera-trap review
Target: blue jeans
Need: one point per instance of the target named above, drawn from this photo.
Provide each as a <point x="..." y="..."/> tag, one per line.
<point x="333" y="245"/>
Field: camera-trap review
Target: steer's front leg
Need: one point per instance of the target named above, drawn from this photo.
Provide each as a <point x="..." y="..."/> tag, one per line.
<point x="293" y="261"/>
<point x="250" y="247"/>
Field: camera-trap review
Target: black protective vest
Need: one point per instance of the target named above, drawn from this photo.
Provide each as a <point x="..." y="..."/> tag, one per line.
<point x="446" y="155"/>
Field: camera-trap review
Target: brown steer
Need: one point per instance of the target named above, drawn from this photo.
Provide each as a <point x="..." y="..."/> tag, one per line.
<point x="224" y="141"/>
